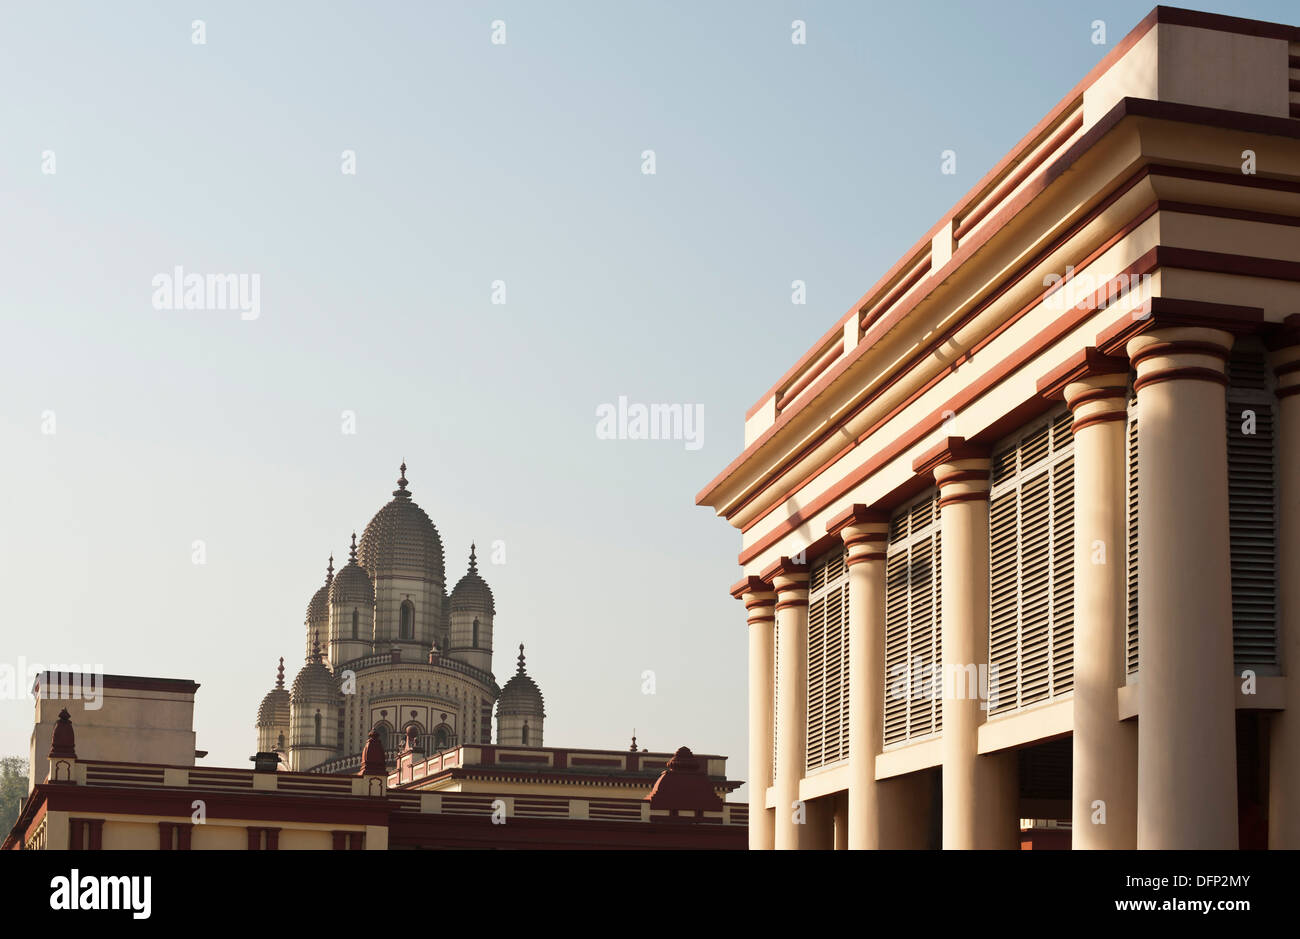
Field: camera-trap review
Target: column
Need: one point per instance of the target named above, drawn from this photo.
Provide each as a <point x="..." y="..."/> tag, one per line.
<point x="980" y="793"/>
<point x="1284" y="732"/>
<point x="759" y="600"/>
<point x="1187" y="776"/>
<point x="791" y="583"/>
<point x="865" y="533"/>
<point x="841" y="821"/>
<point x="1104" y="788"/>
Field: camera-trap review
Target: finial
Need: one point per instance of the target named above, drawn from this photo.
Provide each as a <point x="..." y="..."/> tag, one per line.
<point x="352" y="552"/>
<point x="521" y="658"/>
<point x="473" y="562"/>
<point x="329" y="570"/>
<point x="400" y="491"/>
<point x="279" y="674"/>
<point x="633" y="747"/>
<point x="315" y="646"/>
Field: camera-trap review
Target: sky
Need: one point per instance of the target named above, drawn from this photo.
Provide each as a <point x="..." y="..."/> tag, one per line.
<point x="132" y="428"/>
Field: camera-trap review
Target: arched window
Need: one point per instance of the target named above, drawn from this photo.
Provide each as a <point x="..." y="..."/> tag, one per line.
<point x="279" y="742"/>
<point x="356" y="622"/>
<point x="475" y="640"/>
<point x="525" y="733"/>
<point x="382" y="732"/>
<point x="441" y="737"/>
<point x="407" y="628"/>
<point x="318" y="728"/>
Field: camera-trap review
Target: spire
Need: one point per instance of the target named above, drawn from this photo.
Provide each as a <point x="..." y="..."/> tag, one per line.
<point x="315" y="646"/>
<point x="329" y="571"/>
<point x="279" y="674"/>
<point x="400" y="491"/>
<point x="352" y="552"/>
<point x="473" y="562"/>
<point x="521" y="659"/>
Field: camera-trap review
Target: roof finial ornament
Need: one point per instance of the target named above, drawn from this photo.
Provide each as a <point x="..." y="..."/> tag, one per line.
<point x="521" y="658"/>
<point x="329" y="570"/>
<point x="400" y="491"/>
<point x="279" y="674"/>
<point x="352" y="552"/>
<point x="473" y="562"/>
<point x="315" y="646"/>
<point x="633" y="747"/>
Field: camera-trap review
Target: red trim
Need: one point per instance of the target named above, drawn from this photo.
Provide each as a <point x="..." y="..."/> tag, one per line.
<point x="1109" y="416"/>
<point x="1179" y="374"/>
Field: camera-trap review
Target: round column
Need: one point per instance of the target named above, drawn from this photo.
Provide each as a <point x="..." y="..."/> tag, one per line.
<point x="1284" y="744"/>
<point x="1104" y="790"/>
<point x="1187" y="776"/>
<point x="791" y="583"/>
<point x="980" y="795"/>
<point x="865" y="540"/>
<point x="760" y="601"/>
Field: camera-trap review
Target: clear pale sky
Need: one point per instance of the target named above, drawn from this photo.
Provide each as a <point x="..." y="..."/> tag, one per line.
<point x="475" y="162"/>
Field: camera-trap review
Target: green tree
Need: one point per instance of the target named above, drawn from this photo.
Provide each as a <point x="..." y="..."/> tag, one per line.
<point x="13" y="789"/>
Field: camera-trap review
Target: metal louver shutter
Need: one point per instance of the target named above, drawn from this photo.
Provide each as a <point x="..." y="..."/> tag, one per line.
<point x="913" y="626"/>
<point x="827" y="741"/>
<point x="1131" y="650"/>
<point x="1252" y="507"/>
<point x="1031" y="567"/>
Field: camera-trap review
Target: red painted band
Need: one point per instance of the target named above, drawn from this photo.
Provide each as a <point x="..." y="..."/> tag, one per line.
<point x="1180" y="374"/>
<point x="1108" y="417"/>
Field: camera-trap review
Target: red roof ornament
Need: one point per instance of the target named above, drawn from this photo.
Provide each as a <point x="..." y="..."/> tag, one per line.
<point x="373" y="760"/>
<point x="63" y="745"/>
<point x="684" y="785"/>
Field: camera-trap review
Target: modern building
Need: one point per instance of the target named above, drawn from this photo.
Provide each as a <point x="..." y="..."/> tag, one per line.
<point x="388" y="649"/>
<point x="1020" y="534"/>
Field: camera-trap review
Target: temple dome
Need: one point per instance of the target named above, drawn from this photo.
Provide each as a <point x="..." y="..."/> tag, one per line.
<point x="521" y="696"/>
<point x="352" y="584"/>
<point x="318" y="607"/>
<point x="401" y="538"/>
<point x="472" y="594"/>
<point x="314" y="682"/>
<point x="274" y="709"/>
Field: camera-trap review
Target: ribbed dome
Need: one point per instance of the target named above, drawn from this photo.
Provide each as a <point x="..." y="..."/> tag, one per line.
<point x="472" y="594"/>
<point x="352" y="584"/>
<point x="402" y="538"/>
<point x="315" y="682"/>
<point x="274" y="710"/>
<point x="318" y="607"/>
<point x="521" y="695"/>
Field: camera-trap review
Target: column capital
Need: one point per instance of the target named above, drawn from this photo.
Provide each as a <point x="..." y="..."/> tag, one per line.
<point x="1087" y="363"/>
<point x="759" y="598"/>
<point x="1160" y="313"/>
<point x="950" y="450"/>
<point x="790" y="581"/>
<point x="864" y="532"/>
<point x="1183" y="353"/>
<point x="1284" y="356"/>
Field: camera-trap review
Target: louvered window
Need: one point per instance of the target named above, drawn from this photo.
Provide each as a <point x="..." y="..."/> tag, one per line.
<point x="1131" y="639"/>
<point x="828" y="661"/>
<point x="1252" y="507"/>
<point x="913" y="625"/>
<point x="1031" y="567"/>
